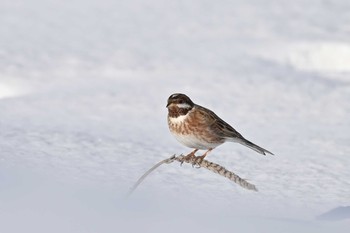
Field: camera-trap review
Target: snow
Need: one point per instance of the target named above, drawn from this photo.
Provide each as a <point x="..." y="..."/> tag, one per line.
<point x="83" y="89"/>
<point x="324" y="57"/>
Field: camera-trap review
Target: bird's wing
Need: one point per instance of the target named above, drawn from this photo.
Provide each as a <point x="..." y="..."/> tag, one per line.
<point x="224" y="130"/>
<point x="219" y="126"/>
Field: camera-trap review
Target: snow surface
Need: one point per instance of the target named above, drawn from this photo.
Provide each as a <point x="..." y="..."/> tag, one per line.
<point x="83" y="89"/>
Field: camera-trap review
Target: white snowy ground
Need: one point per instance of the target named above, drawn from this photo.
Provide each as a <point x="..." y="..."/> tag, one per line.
<point x="83" y="88"/>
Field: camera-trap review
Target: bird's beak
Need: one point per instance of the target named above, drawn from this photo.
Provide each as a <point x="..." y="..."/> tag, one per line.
<point x="168" y="104"/>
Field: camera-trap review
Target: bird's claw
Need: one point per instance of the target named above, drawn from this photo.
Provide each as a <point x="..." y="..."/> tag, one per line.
<point x="199" y="159"/>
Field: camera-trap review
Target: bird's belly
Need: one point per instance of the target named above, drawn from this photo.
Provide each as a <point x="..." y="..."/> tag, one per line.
<point x="193" y="141"/>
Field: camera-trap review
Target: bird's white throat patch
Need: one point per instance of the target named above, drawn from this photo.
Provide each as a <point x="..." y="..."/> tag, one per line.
<point x="179" y="119"/>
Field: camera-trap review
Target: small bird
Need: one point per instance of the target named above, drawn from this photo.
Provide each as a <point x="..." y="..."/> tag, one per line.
<point x="200" y="128"/>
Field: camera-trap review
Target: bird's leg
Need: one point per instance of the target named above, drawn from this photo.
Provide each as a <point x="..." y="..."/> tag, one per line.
<point x="190" y="156"/>
<point x="199" y="159"/>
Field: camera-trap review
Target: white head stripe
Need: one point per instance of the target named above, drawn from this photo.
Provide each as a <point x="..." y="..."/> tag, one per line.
<point x="184" y="105"/>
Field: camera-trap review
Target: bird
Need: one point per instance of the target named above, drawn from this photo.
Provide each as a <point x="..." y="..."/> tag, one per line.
<point x="200" y="128"/>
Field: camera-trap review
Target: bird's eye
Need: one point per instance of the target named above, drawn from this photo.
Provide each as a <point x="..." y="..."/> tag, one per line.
<point x="181" y="101"/>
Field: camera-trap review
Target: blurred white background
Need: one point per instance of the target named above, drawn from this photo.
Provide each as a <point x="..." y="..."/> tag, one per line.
<point x="83" y="88"/>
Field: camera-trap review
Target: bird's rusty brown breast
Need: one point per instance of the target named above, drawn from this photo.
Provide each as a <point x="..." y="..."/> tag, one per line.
<point x="194" y="122"/>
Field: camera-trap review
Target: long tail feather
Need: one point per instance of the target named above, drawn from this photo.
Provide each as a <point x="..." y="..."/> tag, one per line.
<point x="252" y="146"/>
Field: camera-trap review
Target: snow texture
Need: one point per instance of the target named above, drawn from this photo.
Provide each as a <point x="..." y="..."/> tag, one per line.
<point x="83" y="89"/>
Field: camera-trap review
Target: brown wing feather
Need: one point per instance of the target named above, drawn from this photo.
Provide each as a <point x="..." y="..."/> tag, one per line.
<point x="219" y="126"/>
<point x="226" y="131"/>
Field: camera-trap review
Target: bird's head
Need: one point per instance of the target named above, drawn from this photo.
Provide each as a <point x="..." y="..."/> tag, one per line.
<point x="180" y="102"/>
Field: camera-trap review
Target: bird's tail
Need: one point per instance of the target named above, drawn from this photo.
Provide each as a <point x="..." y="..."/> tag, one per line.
<point x="252" y="146"/>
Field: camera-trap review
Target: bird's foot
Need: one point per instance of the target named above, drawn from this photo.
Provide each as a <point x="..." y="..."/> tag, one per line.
<point x="188" y="158"/>
<point x="198" y="160"/>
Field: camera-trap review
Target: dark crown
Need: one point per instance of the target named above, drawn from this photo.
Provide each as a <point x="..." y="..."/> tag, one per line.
<point x="179" y="98"/>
